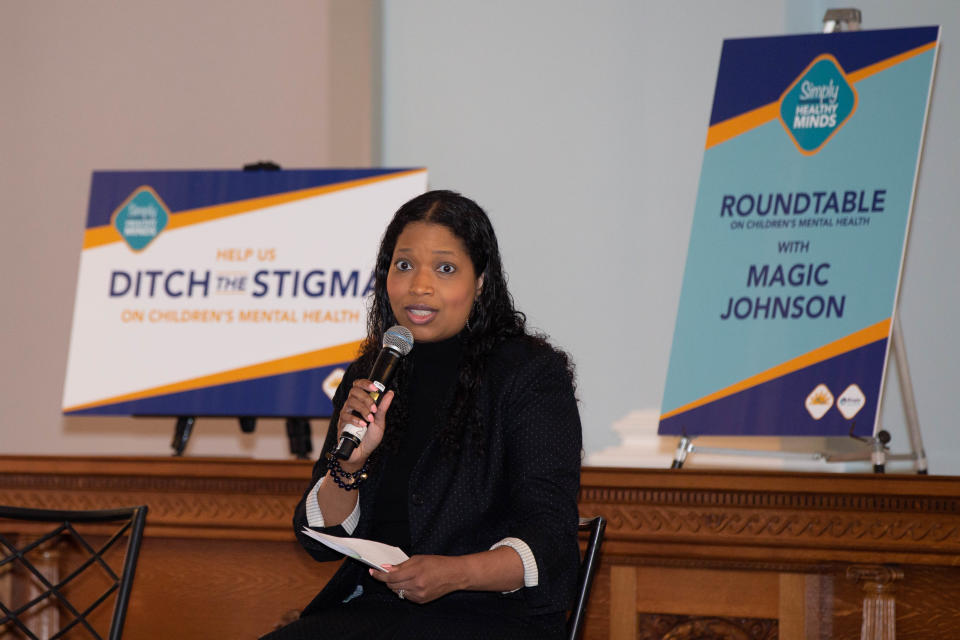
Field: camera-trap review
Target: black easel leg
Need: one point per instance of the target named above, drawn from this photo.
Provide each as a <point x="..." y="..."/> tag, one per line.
<point x="181" y="434"/>
<point x="298" y="431"/>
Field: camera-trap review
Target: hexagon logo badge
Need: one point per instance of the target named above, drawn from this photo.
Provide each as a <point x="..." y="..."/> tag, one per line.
<point x="818" y="103"/>
<point x="141" y="218"/>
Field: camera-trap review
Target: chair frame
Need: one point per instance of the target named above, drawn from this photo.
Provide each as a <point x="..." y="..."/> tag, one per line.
<point x="135" y="518"/>
<point x="588" y="567"/>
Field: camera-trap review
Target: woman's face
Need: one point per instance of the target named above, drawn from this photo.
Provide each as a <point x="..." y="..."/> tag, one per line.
<point x="431" y="282"/>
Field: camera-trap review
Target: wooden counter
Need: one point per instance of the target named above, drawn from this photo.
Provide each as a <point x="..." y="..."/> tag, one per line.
<point x="688" y="554"/>
<point x="723" y="554"/>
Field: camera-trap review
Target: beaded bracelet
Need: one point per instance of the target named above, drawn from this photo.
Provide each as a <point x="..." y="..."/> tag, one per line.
<point x="339" y="475"/>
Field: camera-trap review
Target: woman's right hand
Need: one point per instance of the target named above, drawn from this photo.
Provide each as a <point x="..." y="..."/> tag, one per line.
<point x="374" y="418"/>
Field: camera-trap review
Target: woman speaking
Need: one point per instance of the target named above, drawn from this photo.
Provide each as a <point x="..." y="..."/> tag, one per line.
<point x="470" y="463"/>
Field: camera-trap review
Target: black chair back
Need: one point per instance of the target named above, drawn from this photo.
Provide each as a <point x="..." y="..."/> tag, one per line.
<point x="588" y="567"/>
<point x="35" y="589"/>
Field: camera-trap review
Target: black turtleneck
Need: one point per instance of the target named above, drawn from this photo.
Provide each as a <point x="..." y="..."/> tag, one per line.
<point x="432" y="376"/>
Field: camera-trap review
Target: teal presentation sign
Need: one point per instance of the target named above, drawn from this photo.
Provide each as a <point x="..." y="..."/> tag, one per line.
<point x="799" y="232"/>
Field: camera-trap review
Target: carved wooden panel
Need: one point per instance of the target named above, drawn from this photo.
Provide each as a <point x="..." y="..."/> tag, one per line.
<point x="776" y="519"/>
<point x="667" y="627"/>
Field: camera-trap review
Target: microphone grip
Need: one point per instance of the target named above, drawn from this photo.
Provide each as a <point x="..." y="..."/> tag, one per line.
<point x="384" y="368"/>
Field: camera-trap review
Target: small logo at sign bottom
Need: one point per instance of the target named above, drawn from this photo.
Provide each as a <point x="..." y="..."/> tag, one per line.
<point x="851" y="401"/>
<point x="819" y="401"/>
<point x="332" y="381"/>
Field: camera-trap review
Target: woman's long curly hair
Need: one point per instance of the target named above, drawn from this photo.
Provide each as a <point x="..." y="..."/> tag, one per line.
<point x="493" y="317"/>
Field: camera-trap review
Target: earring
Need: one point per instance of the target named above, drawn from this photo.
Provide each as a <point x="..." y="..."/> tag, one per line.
<point x="475" y="307"/>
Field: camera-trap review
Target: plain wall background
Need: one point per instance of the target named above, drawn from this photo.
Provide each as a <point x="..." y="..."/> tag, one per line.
<point x="578" y="125"/>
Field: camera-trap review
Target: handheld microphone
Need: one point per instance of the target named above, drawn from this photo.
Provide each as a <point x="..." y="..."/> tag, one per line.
<point x="397" y="342"/>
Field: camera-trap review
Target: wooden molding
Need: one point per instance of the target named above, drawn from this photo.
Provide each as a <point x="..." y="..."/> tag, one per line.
<point x="757" y="519"/>
<point x="187" y="497"/>
<point x="774" y="520"/>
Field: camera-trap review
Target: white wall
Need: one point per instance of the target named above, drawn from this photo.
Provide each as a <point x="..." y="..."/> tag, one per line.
<point x="580" y="127"/>
<point x="929" y="294"/>
<point x="148" y="85"/>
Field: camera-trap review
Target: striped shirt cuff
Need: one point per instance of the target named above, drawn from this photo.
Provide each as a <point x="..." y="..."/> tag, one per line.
<point x="531" y="577"/>
<point x="315" y="516"/>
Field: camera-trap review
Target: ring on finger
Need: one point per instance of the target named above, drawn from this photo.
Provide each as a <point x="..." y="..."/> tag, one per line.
<point x="400" y="594"/>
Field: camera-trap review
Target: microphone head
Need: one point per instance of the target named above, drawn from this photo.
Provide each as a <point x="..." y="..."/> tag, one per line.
<point x="399" y="339"/>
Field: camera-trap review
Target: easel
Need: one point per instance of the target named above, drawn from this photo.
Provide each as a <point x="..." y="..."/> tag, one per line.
<point x="298" y="433"/>
<point x="876" y="448"/>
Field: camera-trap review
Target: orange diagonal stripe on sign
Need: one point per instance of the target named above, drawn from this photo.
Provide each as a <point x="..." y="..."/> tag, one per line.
<point x="723" y="131"/>
<point x="846" y="344"/>
<point x="106" y="234"/>
<point x="300" y="362"/>
<point x="877" y="67"/>
<point x="733" y="127"/>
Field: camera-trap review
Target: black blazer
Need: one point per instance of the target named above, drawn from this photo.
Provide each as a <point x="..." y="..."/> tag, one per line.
<point x="525" y="486"/>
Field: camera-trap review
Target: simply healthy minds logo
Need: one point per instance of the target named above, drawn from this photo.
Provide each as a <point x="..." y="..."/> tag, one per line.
<point x="141" y="218"/>
<point x="817" y="104"/>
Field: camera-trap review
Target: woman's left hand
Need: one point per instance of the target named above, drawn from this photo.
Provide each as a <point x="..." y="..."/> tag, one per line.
<point x="423" y="578"/>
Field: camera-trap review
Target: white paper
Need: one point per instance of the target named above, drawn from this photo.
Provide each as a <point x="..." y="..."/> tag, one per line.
<point x="369" y="552"/>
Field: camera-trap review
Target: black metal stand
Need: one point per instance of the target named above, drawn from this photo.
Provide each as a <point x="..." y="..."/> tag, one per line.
<point x="262" y="165"/>
<point x="684" y="447"/>
<point x="181" y="434"/>
<point x="298" y="431"/>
